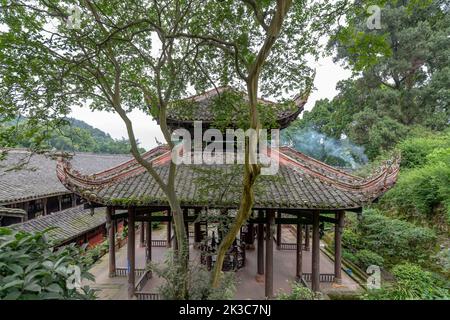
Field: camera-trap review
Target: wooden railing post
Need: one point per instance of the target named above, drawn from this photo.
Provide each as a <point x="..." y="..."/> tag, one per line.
<point x="269" y="254"/>
<point x="338" y="228"/>
<point x="111" y="241"/>
<point x="315" y="285"/>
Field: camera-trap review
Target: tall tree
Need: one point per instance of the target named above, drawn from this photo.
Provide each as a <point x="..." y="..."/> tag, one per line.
<point x="401" y="75"/>
<point x="57" y="54"/>
<point x="259" y="42"/>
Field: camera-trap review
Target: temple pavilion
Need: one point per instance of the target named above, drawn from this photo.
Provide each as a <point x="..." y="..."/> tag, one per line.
<point x="305" y="193"/>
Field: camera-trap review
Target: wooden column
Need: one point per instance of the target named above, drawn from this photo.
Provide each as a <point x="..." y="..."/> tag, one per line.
<point x="279" y="231"/>
<point x="44" y="206"/>
<point x="260" y="252"/>
<point x="269" y="254"/>
<point x="197" y="231"/>
<point x="74" y="200"/>
<point x="299" y="255"/>
<point x="186" y="224"/>
<point x="148" y="242"/>
<point x="169" y="231"/>
<point x="111" y="241"/>
<point x="338" y="228"/>
<point x="315" y="285"/>
<point x="26" y="207"/>
<point x="307" y="234"/>
<point x="249" y="237"/>
<point x="131" y="252"/>
<point x="142" y="235"/>
<point x="60" y="203"/>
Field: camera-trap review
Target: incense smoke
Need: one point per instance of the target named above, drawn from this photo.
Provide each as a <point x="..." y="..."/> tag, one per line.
<point x="337" y="152"/>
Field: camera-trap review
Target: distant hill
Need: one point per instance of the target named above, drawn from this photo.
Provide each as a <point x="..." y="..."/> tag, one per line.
<point x="77" y="136"/>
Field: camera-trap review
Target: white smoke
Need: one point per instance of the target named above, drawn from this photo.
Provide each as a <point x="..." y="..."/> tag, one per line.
<point x="337" y="152"/>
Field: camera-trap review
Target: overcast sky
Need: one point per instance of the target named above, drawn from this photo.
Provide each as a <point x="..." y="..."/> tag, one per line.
<point x="146" y="130"/>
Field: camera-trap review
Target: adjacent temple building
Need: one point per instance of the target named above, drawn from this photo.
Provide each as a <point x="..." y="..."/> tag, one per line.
<point x="33" y="199"/>
<point x="305" y="193"/>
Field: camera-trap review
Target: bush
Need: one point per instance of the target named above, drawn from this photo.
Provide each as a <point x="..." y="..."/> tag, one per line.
<point x="415" y="150"/>
<point x="300" y="292"/>
<point x="411" y="282"/>
<point x="396" y="240"/>
<point x="31" y="269"/>
<point x="365" y="258"/>
<point x="423" y="189"/>
<point x="352" y="240"/>
<point x="198" y="281"/>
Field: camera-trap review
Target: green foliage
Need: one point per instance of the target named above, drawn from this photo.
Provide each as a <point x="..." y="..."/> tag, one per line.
<point x="386" y="240"/>
<point x="300" y="292"/>
<point x="415" y="149"/>
<point x="401" y="76"/>
<point x="423" y="190"/>
<point x="411" y="282"/>
<point x="198" y="281"/>
<point x="394" y="239"/>
<point x="365" y="258"/>
<point x="30" y="269"/>
<point x="92" y="255"/>
<point x="72" y="135"/>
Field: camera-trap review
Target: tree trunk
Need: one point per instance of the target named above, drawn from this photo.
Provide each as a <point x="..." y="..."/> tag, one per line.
<point x="251" y="170"/>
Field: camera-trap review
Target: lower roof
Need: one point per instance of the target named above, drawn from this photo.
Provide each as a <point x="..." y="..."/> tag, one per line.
<point x="301" y="183"/>
<point x="66" y="224"/>
<point x="27" y="176"/>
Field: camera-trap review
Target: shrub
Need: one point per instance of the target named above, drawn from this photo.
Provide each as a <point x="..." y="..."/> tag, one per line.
<point x="300" y="292"/>
<point x="366" y="258"/>
<point x="31" y="269"/>
<point x="198" y="281"/>
<point x="396" y="240"/>
<point x="411" y="282"/>
<point x="352" y="240"/>
<point x="415" y="150"/>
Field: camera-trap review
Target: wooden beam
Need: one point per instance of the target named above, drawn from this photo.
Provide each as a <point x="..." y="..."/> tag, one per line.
<point x="111" y="242"/>
<point x="131" y="253"/>
<point x="338" y="228"/>
<point x="315" y="285"/>
<point x="260" y="249"/>
<point x="269" y="254"/>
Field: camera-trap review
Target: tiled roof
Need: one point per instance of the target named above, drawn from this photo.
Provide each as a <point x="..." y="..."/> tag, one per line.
<point x="36" y="177"/>
<point x="301" y="183"/>
<point x="67" y="224"/>
<point x="199" y="108"/>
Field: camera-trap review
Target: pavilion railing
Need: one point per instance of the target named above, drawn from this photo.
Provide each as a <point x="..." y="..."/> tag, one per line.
<point x="142" y="281"/>
<point x="123" y="272"/>
<point x="159" y="243"/>
<point x="289" y="246"/>
<point x="323" y="277"/>
<point x="148" y="296"/>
